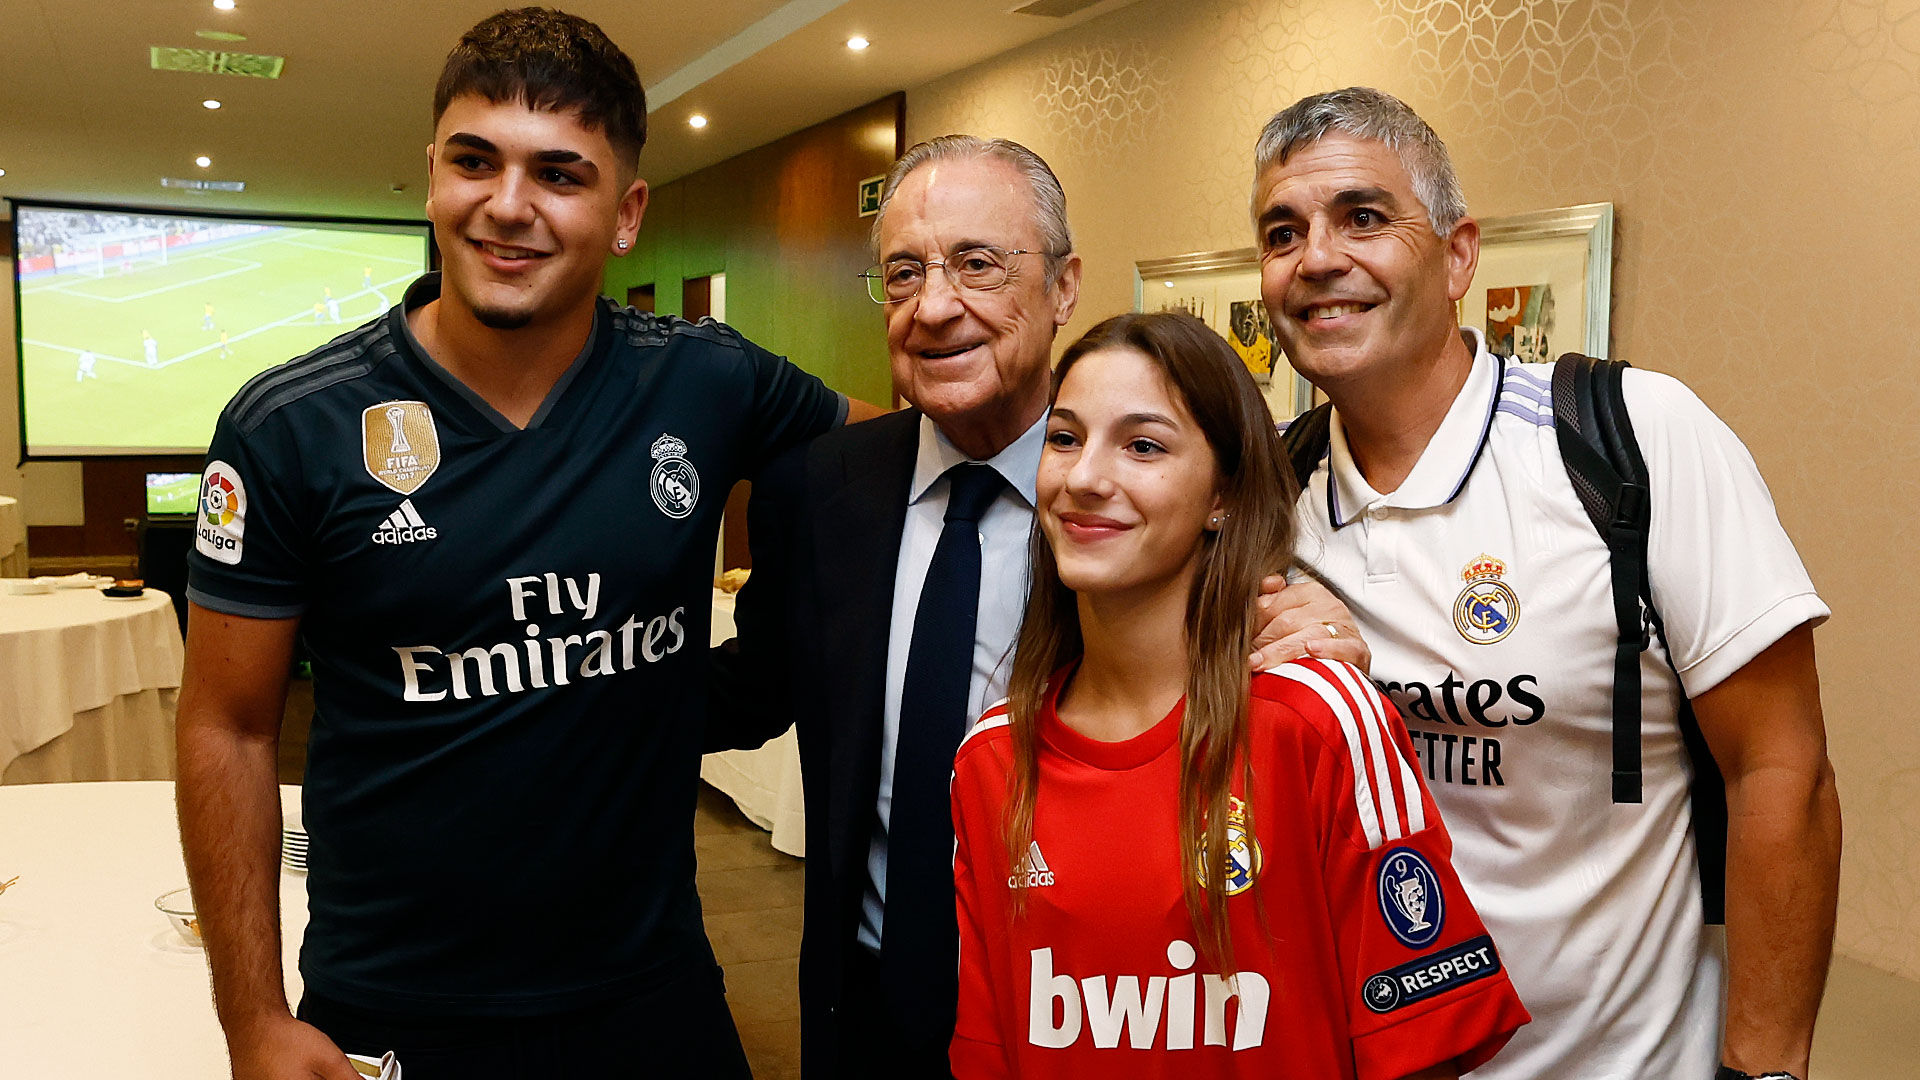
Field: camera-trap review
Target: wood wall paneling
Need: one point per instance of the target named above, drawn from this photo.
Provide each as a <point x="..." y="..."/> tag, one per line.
<point x="114" y="491"/>
<point x="782" y="222"/>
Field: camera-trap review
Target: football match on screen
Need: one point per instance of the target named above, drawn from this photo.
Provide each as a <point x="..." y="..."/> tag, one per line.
<point x="136" y="329"/>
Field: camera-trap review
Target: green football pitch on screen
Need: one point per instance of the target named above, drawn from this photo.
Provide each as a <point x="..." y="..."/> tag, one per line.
<point x="133" y="339"/>
<point x="173" y="496"/>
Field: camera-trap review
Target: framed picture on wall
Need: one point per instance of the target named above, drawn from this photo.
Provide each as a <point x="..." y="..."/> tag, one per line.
<point x="1222" y="289"/>
<point x="1545" y="283"/>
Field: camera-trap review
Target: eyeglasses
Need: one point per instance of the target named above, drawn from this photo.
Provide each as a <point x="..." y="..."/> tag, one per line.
<point x="980" y="269"/>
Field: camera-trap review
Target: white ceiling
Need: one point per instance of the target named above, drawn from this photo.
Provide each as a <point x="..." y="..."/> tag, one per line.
<point x="84" y="117"/>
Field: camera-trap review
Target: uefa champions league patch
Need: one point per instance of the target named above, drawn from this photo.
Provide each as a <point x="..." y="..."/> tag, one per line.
<point x="1431" y="975"/>
<point x="1410" y="898"/>
<point x="221" y="521"/>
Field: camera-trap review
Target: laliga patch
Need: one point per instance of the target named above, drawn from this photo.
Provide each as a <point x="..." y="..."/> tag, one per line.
<point x="401" y="448"/>
<point x="222" y="520"/>
<point x="1243" y="851"/>
<point x="1431" y="975"/>
<point x="675" y="484"/>
<point x="1488" y="608"/>
<point x="1410" y="898"/>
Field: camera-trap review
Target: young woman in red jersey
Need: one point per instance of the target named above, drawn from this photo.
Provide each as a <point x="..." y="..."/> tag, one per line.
<point x="1098" y="936"/>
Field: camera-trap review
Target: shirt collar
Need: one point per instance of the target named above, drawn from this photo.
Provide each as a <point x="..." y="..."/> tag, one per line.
<point x="1018" y="464"/>
<point x="426" y="289"/>
<point x="1442" y="471"/>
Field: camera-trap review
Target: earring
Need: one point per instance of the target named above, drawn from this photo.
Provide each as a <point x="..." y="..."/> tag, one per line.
<point x="622" y="244"/>
<point x="1216" y="521"/>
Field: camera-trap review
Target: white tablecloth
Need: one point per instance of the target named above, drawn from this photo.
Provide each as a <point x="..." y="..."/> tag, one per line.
<point x="87" y="686"/>
<point x="13" y="538"/>
<point x="764" y="783"/>
<point x="94" y="983"/>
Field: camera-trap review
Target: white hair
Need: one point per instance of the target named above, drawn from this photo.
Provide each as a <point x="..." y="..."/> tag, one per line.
<point x="1049" y="200"/>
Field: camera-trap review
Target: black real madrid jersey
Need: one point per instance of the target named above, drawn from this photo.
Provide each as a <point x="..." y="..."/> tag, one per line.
<point x="508" y="630"/>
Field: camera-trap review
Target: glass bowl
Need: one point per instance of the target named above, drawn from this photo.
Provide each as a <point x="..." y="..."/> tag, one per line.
<point x="177" y="906"/>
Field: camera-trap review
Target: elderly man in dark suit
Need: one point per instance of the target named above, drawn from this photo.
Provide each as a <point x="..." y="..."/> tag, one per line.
<point x="890" y="573"/>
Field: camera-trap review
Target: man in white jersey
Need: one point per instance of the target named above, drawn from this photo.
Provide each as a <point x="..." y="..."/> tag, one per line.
<point x="1443" y="515"/>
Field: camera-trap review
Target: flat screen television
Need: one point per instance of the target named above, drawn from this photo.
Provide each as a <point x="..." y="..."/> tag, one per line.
<point x="136" y="326"/>
<point x="172" y="494"/>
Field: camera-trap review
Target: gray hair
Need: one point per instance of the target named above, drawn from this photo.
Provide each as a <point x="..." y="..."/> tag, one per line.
<point x="1049" y="201"/>
<point x="1366" y="113"/>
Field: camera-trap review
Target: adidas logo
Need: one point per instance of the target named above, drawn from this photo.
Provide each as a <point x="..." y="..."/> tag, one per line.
<point x="1032" y="872"/>
<point x="404" y="526"/>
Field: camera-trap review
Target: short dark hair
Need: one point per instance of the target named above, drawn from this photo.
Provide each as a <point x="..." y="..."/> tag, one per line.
<point x="553" y="61"/>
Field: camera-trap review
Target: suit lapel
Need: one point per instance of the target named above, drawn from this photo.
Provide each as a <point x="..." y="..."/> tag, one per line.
<point x="862" y="513"/>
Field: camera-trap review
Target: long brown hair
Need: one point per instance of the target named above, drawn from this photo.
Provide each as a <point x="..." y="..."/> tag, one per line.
<point x="1258" y="493"/>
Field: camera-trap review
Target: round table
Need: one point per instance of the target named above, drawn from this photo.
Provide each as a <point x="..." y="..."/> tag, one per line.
<point x="90" y="684"/>
<point x="13" y="538"/>
<point x="764" y="783"/>
<point x="94" y="983"/>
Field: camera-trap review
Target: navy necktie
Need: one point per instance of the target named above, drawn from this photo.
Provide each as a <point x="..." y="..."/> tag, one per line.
<point x="919" y="937"/>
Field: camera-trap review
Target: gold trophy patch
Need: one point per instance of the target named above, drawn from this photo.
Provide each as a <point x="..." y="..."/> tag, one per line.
<point x="402" y="447"/>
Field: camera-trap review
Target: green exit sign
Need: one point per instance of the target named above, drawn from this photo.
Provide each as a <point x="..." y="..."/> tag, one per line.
<point x="870" y="195"/>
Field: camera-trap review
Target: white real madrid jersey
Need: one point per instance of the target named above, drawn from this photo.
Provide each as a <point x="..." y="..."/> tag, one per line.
<point x="1484" y="592"/>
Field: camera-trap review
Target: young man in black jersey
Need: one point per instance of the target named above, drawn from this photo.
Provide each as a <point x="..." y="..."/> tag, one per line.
<point x="483" y="514"/>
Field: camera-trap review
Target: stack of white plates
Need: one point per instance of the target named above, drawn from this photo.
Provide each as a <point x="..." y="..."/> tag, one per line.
<point x="293" y="849"/>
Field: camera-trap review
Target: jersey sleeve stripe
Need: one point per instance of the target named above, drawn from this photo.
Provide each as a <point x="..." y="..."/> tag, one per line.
<point x="1373" y="732"/>
<point x="1369" y="814"/>
<point x="995" y="717"/>
<point x="1520" y="387"/>
<point x="1375" y="708"/>
<point x="1518" y="373"/>
<point x="1531" y="416"/>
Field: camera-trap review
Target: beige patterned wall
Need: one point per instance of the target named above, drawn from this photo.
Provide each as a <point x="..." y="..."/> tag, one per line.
<point x="1764" y="160"/>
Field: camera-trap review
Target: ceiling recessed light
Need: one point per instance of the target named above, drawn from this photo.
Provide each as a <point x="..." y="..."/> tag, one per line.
<point x="696" y="121"/>
<point x="210" y="103"/>
<point x="3" y="172"/>
<point x="1168" y="284"/>
<point x="856" y="43"/>
<point x="223" y="5"/>
<point x="203" y="161"/>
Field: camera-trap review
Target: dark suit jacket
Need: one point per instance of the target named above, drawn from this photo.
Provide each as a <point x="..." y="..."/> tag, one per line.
<point x="825" y="522"/>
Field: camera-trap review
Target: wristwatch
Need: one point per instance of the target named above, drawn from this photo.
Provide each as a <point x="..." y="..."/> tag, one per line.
<point x="1728" y="1072"/>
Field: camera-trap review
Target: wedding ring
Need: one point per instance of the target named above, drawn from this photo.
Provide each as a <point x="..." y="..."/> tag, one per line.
<point x="1332" y="630"/>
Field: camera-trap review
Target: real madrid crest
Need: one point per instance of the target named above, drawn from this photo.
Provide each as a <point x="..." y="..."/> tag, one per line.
<point x="1487" y="609"/>
<point x="1243" y="851"/>
<point x="400" y="447"/>
<point x="675" y="484"/>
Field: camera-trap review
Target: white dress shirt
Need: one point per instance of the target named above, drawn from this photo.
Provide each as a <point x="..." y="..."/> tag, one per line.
<point x="1005" y="531"/>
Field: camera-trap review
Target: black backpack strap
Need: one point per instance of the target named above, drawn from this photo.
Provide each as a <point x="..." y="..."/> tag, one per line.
<point x="1306" y="441"/>
<point x="1609" y="475"/>
<point x="1603" y="461"/>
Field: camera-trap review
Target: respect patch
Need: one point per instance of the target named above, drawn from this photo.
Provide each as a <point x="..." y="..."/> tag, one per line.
<point x="1431" y="975"/>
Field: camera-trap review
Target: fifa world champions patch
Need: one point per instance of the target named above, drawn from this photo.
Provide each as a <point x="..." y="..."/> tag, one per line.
<point x="1243" y="851"/>
<point x="1486" y="610"/>
<point x="400" y="446"/>
<point x="675" y="484"/>
<point x="1431" y="975"/>
<point x="1411" y="901"/>
<point x="220" y="523"/>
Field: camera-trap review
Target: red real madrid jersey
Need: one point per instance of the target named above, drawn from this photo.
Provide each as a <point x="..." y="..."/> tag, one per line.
<point x="1358" y="955"/>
